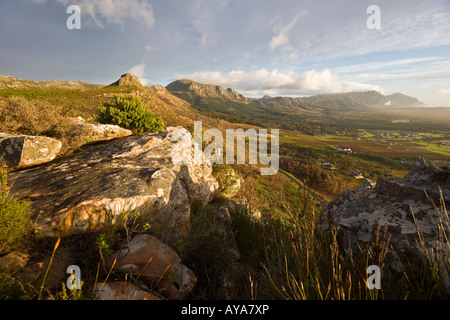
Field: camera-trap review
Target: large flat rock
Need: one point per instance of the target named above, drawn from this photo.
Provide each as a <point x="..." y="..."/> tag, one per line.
<point x="98" y="184"/>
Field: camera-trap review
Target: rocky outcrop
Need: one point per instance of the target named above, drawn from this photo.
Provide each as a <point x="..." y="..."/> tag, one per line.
<point x="128" y="79"/>
<point x="408" y="206"/>
<point x="157" y="265"/>
<point x="97" y="185"/>
<point x="95" y="132"/>
<point x="24" y="150"/>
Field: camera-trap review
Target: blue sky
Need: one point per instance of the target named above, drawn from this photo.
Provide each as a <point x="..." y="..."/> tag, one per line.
<point x="257" y="47"/>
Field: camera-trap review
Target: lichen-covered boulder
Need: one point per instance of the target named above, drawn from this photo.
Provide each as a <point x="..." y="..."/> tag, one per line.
<point x="413" y="208"/>
<point x="24" y="150"/>
<point x="99" y="184"/>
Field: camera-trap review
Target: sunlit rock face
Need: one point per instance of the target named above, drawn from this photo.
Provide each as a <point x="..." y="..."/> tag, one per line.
<point x="97" y="185"/>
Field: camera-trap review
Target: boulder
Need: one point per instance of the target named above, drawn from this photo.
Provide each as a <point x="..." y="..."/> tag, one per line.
<point x="121" y="290"/>
<point x="99" y="184"/>
<point x="24" y="150"/>
<point x="155" y="264"/>
<point x="96" y="132"/>
<point x="413" y="204"/>
<point x="13" y="261"/>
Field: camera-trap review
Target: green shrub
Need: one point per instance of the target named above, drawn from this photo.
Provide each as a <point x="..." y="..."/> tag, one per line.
<point x="131" y="113"/>
<point x="15" y="217"/>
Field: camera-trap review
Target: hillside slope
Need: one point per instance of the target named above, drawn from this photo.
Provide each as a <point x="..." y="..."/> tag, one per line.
<point x="10" y="82"/>
<point x="83" y="99"/>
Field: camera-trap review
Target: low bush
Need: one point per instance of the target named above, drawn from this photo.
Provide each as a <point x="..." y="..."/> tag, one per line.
<point x="131" y="113"/>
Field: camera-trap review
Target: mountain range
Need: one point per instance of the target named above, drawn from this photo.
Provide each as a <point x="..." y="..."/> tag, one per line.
<point x="184" y="100"/>
<point x="318" y="114"/>
<point x="193" y="91"/>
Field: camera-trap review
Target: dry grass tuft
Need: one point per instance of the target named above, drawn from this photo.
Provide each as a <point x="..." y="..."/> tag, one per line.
<point x="19" y="115"/>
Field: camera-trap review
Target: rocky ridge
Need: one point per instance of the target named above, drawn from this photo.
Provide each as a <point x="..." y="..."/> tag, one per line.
<point x="186" y="87"/>
<point x="10" y="82"/>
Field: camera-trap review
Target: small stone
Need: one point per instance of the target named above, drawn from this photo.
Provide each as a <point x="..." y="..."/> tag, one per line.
<point x="13" y="261"/>
<point x="156" y="264"/>
<point x="421" y="162"/>
<point x="122" y="290"/>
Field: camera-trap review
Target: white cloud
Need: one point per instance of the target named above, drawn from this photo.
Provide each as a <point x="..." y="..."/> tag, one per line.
<point x="434" y="70"/>
<point x="282" y="34"/>
<point x="381" y="65"/>
<point x="203" y="40"/>
<point x="278" y="83"/>
<point x="206" y="40"/>
<point x="105" y="12"/>
<point x="139" y="71"/>
<point x="405" y="25"/>
<point x="443" y="92"/>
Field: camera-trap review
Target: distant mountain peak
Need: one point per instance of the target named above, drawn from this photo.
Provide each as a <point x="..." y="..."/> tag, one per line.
<point x="401" y="99"/>
<point x="364" y="99"/>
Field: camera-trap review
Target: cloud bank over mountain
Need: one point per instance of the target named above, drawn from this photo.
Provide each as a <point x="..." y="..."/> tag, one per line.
<point x="275" y="82"/>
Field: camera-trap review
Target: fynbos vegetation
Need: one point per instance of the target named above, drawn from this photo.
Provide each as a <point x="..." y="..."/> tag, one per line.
<point x="131" y="113"/>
